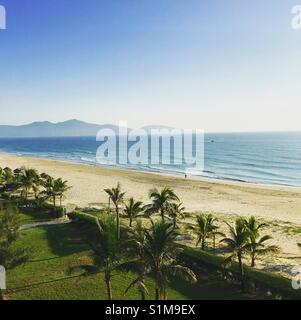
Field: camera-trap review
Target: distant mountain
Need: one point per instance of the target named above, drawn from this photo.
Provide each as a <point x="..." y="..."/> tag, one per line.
<point x="156" y="127"/>
<point x="48" y="129"/>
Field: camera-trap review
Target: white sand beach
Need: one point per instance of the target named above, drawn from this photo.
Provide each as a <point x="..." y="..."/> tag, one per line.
<point x="281" y="206"/>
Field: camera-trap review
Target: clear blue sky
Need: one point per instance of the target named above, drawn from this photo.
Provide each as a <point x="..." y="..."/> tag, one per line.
<point x="212" y="64"/>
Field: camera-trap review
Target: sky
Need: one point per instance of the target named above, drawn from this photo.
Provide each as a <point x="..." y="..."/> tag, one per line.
<point x="208" y="64"/>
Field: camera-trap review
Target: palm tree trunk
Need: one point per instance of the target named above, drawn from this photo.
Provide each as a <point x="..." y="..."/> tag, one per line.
<point x="143" y="297"/>
<point x="118" y="222"/>
<point x="157" y="294"/>
<point x="131" y="221"/>
<point x="162" y="216"/>
<point x="241" y="271"/>
<point x="54" y="204"/>
<point x="203" y="244"/>
<point x="214" y="243"/>
<point x="252" y="260"/>
<point x="142" y="291"/>
<point x="109" y="285"/>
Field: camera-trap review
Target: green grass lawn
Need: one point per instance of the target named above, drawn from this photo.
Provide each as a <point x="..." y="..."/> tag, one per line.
<point x="53" y="249"/>
<point x="30" y="215"/>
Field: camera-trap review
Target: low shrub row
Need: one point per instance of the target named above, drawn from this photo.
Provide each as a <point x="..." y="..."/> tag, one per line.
<point x="276" y="285"/>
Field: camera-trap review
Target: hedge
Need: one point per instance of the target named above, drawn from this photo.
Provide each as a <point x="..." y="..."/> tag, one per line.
<point x="270" y="281"/>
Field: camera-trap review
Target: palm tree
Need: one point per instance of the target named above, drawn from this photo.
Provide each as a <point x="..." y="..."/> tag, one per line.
<point x="133" y="209"/>
<point x="9" y="182"/>
<point x="28" y="179"/>
<point x="257" y="246"/>
<point x="205" y="229"/>
<point x="161" y="252"/>
<point x="176" y="211"/>
<point x="117" y="198"/>
<point x="238" y="243"/>
<point x="106" y="252"/>
<point x="161" y="200"/>
<point x="60" y="188"/>
<point x="136" y="248"/>
<point x="49" y="185"/>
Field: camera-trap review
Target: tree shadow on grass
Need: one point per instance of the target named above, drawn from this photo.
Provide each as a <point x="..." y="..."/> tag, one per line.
<point x="65" y="239"/>
<point x="204" y="289"/>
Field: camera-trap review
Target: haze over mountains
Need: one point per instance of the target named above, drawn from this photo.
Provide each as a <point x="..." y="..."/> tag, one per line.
<point x="70" y="128"/>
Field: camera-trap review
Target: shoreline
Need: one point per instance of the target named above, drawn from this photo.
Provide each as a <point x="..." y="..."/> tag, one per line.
<point x="164" y="173"/>
<point x="209" y="195"/>
<point x="279" y="207"/>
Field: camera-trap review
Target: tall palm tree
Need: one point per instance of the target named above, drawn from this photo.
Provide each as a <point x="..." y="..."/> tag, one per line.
<point x="60" y="188"/>
<point x="238" y="243"/>
<point x="257" y="245"/>
<point x="161" y="200"/>
<point x="28" y="179"/>
<point x="49" y="185"/>
<point x="176" y="211"/>
<point x="117" y="198"/>
<point x="106" y="252"/>
<point x="9" y="182"/>
<point x="205" y="229"/>
<point x="136" y="248"/>
<point x="161" y="252"/>
<point x="133" y="209"/>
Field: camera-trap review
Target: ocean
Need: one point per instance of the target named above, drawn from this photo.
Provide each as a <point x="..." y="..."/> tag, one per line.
<point x="265" y="158"/>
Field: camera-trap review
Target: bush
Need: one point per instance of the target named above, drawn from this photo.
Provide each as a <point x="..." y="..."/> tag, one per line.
<point x="263" y="281"/>
<point x="59" y="212"/>
<point x="78" y="216"/>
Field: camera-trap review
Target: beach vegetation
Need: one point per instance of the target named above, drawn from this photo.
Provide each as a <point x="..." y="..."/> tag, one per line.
<point x="206" y="228"/>
<point x="257" y="245"/>
<point x="161" y="201"/>
<point x="117" y="197"/>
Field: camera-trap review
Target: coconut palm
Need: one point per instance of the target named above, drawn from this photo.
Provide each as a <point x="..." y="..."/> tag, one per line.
<point x="117" y="198"/>
<point x="238" y="243"/>
<point x="49" y="192"/>
<point x="161" y="200"/>
<point x="9" y="182"/>
<point x="106" y="252"/>
<point x="28" y="179"/>
<point x="257" y="245"/>
<point x="206" y="229"/>
<point x="176" y="211"/>
<point x="136" y="248"/>
<point x="160" y="253"/>
<point x="60" y="188"/>
<point x="133" y="209"/>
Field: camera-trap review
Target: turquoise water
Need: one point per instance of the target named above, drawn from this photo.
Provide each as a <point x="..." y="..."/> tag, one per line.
<point x="269" y="158"/>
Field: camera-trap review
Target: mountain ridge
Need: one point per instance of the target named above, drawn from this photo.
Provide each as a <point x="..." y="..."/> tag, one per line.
<point x="68" y="128"/>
